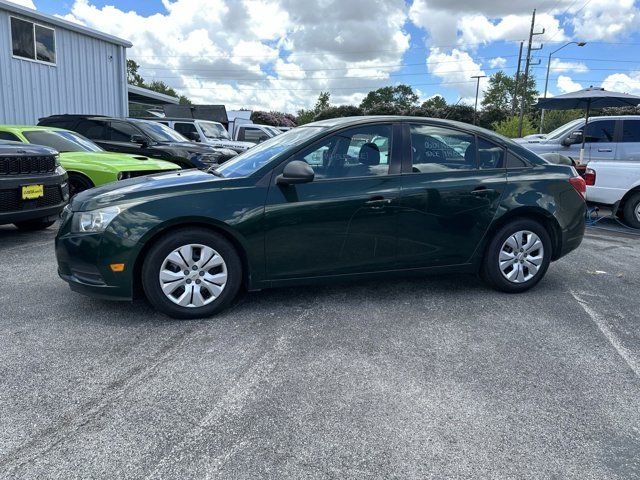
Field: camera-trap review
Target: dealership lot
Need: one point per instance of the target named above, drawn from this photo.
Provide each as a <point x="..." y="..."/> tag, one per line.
<point x="416" y="378"/>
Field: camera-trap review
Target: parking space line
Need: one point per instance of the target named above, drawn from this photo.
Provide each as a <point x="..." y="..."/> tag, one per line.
<point x="608" y="334"/>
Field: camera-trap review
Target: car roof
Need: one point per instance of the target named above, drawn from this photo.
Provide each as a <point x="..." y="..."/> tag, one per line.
<point x="22" y="128"/>
<point x="334" y="123"/>
<point x="178" y="119"/>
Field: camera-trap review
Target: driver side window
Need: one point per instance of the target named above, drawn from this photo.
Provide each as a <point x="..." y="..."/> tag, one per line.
<point x="356" y="152"/>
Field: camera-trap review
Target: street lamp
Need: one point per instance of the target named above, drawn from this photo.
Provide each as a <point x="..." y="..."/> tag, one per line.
<point x="475" y="108"/>
<point x="546" y="80"/>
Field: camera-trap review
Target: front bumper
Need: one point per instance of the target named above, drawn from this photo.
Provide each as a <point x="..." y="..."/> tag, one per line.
<point x="84" y="259"/>
<point x="14" y="210"/>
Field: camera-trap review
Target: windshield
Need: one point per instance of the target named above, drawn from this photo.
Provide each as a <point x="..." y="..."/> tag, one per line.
<point x="214" y="130"/>
<point x="159" y="132"/>
<point x="250" y="161"/>
<point x="564" y="129"/>
<point x="273" y="130"/>
<point x="62" y="141"/>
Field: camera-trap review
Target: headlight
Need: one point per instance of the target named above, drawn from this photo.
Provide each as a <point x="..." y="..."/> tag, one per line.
<point x="124" y="175"/>
<point x="94" y="221"/>
<point x="56" y="159"/>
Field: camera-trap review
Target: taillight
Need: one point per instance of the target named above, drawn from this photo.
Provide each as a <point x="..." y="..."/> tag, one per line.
<point x="590" y="177"/>
<point x="579" y="184"/>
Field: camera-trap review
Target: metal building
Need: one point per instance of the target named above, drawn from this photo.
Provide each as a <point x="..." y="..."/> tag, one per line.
<point x="52" y="66"/>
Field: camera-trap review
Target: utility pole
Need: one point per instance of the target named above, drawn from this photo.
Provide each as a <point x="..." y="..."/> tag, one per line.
<point x="475" y="108"/>
<point x="525" y="79"/>
<point x="514" y="99"/>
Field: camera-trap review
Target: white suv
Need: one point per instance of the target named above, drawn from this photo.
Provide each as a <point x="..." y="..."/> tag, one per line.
<point x="612" y="155"/>
<point x="205" y="131"/>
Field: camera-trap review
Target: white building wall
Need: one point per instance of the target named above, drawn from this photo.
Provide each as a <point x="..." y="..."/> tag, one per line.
<point x="89" y="77"/>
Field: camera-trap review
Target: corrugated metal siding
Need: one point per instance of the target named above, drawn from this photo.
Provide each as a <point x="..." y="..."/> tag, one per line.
<point x="89" y="77"/>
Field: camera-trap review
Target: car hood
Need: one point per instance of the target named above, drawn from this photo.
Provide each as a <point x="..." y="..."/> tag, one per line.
<point x="120" y="161"/>
<point x="191" y="146"/>
<point x="141" y="189"/>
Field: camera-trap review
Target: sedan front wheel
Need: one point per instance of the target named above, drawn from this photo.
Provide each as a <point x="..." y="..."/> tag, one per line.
<point x="191" y="273"/>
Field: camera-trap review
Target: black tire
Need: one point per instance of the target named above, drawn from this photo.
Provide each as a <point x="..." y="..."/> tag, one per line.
<point x="153" y="263"/>
<point x="631" y="211"/>
<point x="78" y="183"/>
<point x="36" y="224"/>
<point x="491" y="266"/>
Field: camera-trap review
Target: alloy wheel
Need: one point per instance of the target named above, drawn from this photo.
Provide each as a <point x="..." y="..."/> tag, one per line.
<point x="193" y="275"/>
<point x="521" y="256"/>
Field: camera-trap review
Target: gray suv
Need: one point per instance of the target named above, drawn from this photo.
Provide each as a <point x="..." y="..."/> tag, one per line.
<point x="607" y="138"/>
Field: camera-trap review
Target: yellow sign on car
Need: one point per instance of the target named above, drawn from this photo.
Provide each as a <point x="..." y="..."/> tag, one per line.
<point x="29" y="192"/>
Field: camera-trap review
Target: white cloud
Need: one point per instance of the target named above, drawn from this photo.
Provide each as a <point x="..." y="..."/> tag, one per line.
<point x="566" y="84"/>
<point x="262" y="54"/>
<point x="498" y="62"/>
<point x="24" y="3"/>
<point x="621" y="82"/>
<point x="558" y="65"/>
<point x="606" y="19"/>
<point x="456" y="69"/>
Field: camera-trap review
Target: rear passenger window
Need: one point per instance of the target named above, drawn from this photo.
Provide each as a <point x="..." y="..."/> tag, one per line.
<point x="490" y="155"/>
<point x="631" y="131"/>
<point x="437" y="149"/>
<point x="92" y="129"/>
<point x="515" y="162"/>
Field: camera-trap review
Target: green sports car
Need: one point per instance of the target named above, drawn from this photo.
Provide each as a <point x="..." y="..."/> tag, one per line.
<point x="87" y="164"/>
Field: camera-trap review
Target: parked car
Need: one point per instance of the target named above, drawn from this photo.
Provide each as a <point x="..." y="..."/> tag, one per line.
<point x="141" y="137"/>
<point x="616" y="184"/>
<point x="607" y="138"/>
<point x="33" y="186"/>
<point x="251" y="132"/>
<point x="281" y="214"/>
<point x="86" y="163"/>
<point x="205" y="131"/>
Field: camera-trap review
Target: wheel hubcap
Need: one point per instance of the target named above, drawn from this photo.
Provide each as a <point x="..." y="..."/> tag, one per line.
<point x="521" y="256"/>
<point x="637" y="211"/>
<point x="193" y="275"/>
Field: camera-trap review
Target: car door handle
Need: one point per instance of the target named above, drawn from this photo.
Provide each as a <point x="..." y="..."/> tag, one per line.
<point x="482" y="191"/>
<point x="605" y="149"/>
<point x="378" y="201"/>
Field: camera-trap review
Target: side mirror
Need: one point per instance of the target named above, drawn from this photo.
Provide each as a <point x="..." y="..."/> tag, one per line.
<point x="573" y="138"/>
<point x="295" y="172"/>
<point x="139" y="139"/>
<point x="193" y="136"/>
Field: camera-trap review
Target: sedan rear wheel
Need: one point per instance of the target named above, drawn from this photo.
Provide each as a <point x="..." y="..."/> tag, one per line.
<point x="518" y="256"/>
<point x="191" y="273"/>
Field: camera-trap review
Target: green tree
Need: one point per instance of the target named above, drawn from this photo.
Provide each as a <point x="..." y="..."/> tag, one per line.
<point x="306" y="116"/>
<point x="399" y="96"/>
<point x="323" y="102"/>
<point x="435" y="102"/>
<point x="509" y="127"/>
<point x="133" y="77"/>
<point x="499" y="95"/>
<point x="556" y="118"/>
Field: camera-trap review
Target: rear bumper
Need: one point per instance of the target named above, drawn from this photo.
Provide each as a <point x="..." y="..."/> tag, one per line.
<point x="13" y="209"/>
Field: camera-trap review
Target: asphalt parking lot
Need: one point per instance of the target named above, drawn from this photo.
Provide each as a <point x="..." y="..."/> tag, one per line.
<point x="421" y="378"/>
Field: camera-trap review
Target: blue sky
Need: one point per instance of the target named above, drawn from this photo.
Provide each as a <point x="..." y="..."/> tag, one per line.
<point x="281" y="53"/>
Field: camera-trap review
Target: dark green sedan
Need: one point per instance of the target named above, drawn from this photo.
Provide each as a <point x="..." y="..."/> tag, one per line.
<point x="330" y="201"/>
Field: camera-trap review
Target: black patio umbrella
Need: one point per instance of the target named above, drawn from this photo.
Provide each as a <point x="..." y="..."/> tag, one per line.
<point x="588" y="98"/>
